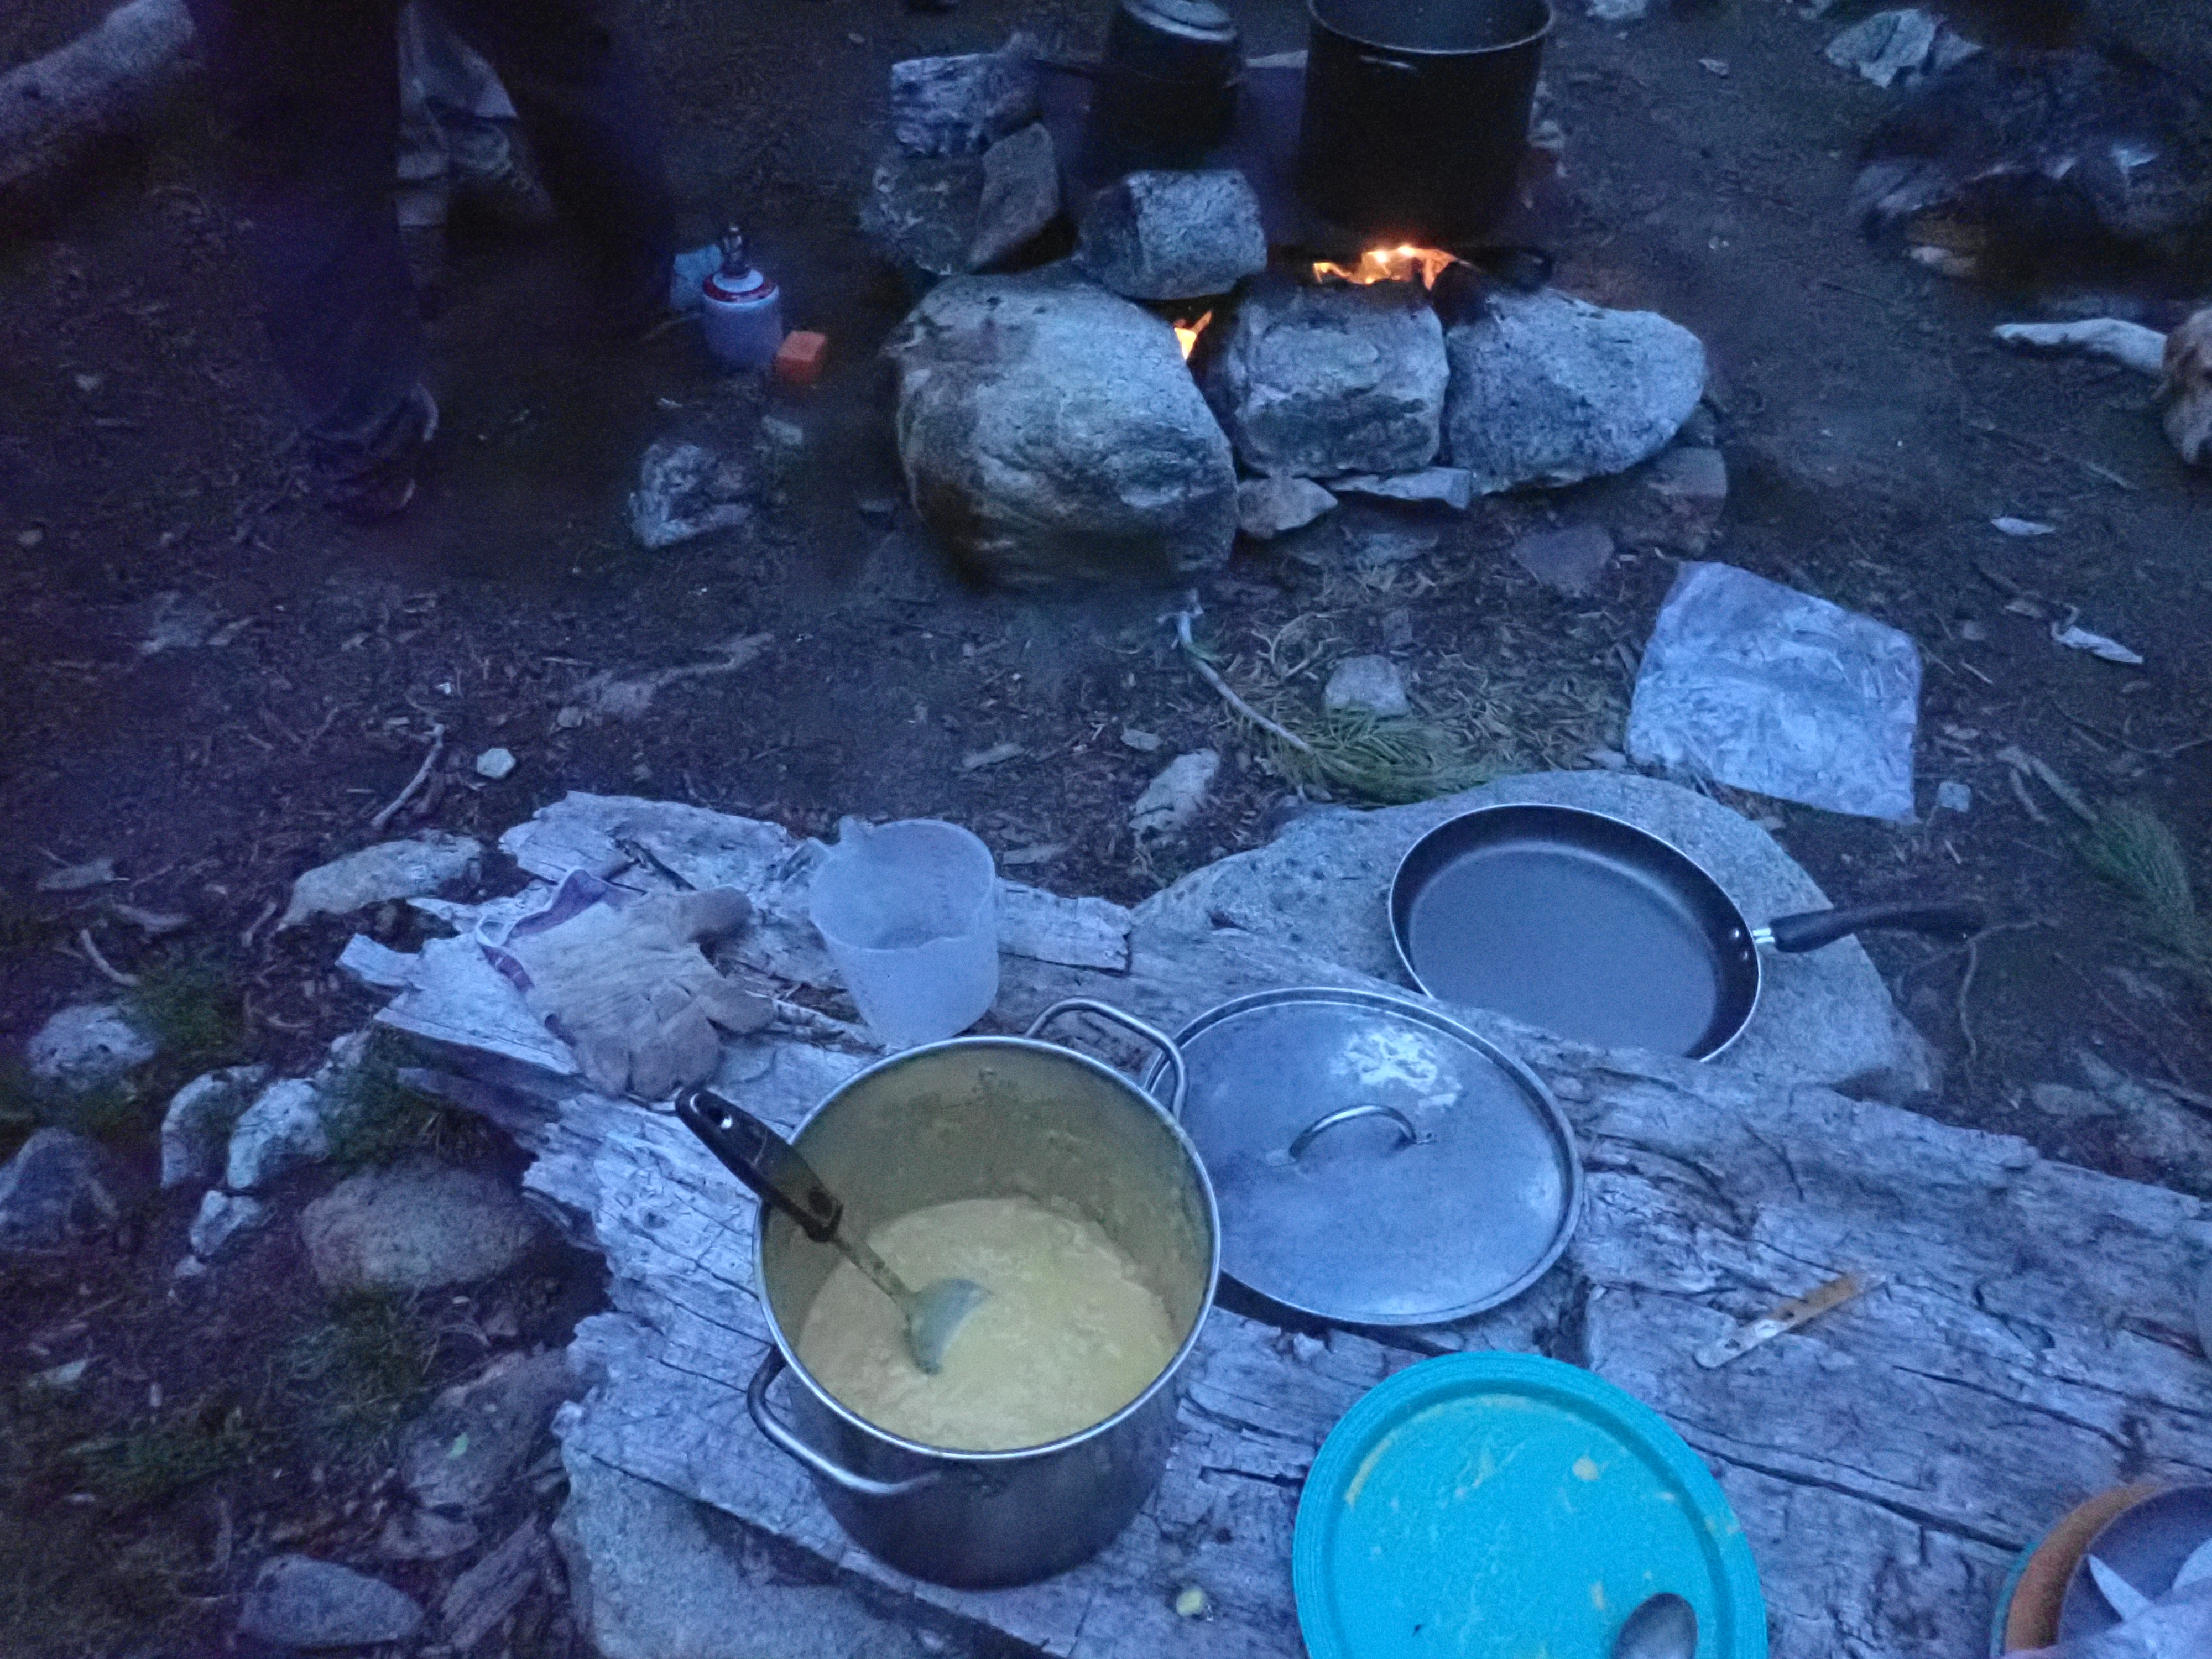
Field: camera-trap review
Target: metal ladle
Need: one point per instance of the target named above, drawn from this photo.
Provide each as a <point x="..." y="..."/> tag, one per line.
<point x="1663" y="1626"/>
<point x="772" y="1167"/>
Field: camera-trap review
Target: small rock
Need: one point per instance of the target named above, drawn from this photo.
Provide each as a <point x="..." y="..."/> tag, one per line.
<point x="59" y="1379"/>
<point x="1019" y="858"/>
<point x="2011" y="526"/>
<point x="780" y="433"/>
<point x="1367" y="685"/>
<point x="1021" y="195"/>
<point x="1548" y="390"/>
<point x="962" y="105"/>
<point x="1144" y="741"/>
<point x="685" y="491"/>
<point x="2063" y="1100"/>
<point x="462" y="1452"/>
<point x="1397" y="629"/>
<point x="1171" y="800"/>
<point x="222" y="1217"/>
<point x="174" y="623"/>
<point x="1886" y="46"/>
<point x="1323" y="381"/>
<point x="379" y="967"/>
<point x="280" y="1131"/>
<point x="1173" y="235"/>
<point x="415" y="1226"/>
<point x="87" y="1044"/>
<point x="390" y="869"/>
<point x="1954" y="797"/>
<point x="1688" y="493"/>
<point x="424" y="1535"/>
<point x="75" y="878"/>
<point x="197" y="1126"/>
<point x="496" y="764"/>
<point x="1433" y="486"/>
<point x="299" y="1602"/>
<point x="1268" y="508"/>
<point x="52" y="1193"/>
<point x="1567" y="561"/>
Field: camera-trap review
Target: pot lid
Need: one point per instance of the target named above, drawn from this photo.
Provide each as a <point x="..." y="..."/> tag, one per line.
<point x="1375" y="1163"/>
<point x="1504" y="1503"/>
<point x="1199" y="20"/>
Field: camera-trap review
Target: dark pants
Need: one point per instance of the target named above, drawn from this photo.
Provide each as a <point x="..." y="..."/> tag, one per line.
<point x="311" y="87"/>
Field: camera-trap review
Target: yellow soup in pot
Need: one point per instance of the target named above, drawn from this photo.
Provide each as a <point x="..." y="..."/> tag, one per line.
<point x="1069" y="1333"/>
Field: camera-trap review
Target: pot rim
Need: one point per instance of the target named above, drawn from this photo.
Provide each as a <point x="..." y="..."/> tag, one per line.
<point x="1551" y="18"/>
<point x="986" y="1460"/>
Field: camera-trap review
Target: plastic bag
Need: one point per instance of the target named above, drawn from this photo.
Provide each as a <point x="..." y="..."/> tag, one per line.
<point x="1756" y="685"/>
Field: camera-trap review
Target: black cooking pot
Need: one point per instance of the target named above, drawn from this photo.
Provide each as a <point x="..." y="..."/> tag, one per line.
<point x="1167" y="89"/>
<point x="1416" y="114"/>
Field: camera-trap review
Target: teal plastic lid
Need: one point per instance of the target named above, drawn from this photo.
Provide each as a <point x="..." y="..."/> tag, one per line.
<point x="1505" y="1506"/>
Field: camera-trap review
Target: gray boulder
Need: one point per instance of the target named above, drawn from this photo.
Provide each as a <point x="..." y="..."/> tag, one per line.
<point x="82" y="1046"/>
<point x="51" y="1193"/>
<point x="655" y="1576"/>
<point x="1050" y="431"/>
<point x="1548" y="390"/>
<point x="1021" y="195"/>
<point x="461" y="1453"/>
<point x="197" y="1126"/>
<point x="300" y="1602"/>
<point x="924" y="210"/>
<point x="1326" y="381"/>
<point x="1173" y="235"/>
<point x="281" y="1131"/>
<point x="415" y="1226"/>
<point x="962" y="105"/>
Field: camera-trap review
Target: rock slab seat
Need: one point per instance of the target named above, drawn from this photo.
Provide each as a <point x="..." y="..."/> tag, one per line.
<point x="1050" y="432"/>
<point x="1321" y="382"/>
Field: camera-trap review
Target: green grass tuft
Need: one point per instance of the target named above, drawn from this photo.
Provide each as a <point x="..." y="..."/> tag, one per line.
<point x="152" y="1464"/>
<point x="375" y="1119"/>
<point x="361" y="1368"/>
<point x="2135" y="850"/>
<point x="193" y="1009"/>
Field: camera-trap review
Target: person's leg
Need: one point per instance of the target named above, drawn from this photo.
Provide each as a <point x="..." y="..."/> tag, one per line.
<point x="312" y="88"/>
<point x="590" y="127"/>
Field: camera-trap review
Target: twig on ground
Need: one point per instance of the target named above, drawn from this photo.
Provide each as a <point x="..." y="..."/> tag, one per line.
<point x="2166" y="752"/>
<point x="108" y="971"/>
<point x="1206" y="670"/>
<point x="2027" y="801"/>
<point x="1967" y="983"/>
<point x="246" y="938"/>
<point x="2092" y="468"/>
<point x="422" y="772"/>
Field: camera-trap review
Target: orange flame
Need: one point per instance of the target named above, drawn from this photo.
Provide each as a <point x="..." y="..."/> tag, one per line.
<point x="1187" y="334"/>
<point x="1405" y="262"/>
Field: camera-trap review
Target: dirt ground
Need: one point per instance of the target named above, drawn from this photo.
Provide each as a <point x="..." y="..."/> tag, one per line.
<point x="1871" y="428"/>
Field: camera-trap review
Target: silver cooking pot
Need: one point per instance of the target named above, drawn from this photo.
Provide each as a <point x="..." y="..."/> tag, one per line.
<point x="979" y="1117"/>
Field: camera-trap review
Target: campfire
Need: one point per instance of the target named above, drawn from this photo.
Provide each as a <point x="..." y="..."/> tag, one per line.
<point x="1187" y="334"/>
<point x="1403" y="263"/>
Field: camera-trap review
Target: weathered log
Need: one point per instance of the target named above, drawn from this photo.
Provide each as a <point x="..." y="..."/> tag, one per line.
<point x="2030" y="1345"/>
<point x="108" y="84"/>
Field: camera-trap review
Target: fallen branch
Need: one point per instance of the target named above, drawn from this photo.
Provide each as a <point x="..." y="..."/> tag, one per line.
<point x="422" y="772"/>
<point x="2094" y="468"/>
<point x="1206" y="672"/>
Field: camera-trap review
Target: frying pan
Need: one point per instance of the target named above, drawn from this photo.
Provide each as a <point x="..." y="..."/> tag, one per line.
<point x="1587" y="925"/>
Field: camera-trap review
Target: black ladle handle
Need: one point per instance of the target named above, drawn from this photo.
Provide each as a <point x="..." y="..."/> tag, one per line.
<point x="762" y="1159"/>
<point x="1815" y="928"/>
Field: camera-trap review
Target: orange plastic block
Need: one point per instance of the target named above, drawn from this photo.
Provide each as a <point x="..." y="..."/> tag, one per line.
<point x="799" y="359"/>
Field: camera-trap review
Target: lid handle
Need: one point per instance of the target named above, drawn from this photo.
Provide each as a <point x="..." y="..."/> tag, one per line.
<point x="1408" y="1132"/>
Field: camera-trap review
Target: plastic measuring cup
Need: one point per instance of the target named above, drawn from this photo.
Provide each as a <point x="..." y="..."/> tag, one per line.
<point x="909" y="911"/>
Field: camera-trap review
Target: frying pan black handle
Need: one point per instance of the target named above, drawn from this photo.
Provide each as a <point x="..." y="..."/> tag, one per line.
<point x="762" y="1159"/>
<point x="1815" y="928"/>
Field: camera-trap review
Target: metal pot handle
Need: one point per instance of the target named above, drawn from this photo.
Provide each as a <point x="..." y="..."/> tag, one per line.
<point x="791" y="1445"/>
<point x="1399" y="64"/>
<point x="1159" y="1039"/>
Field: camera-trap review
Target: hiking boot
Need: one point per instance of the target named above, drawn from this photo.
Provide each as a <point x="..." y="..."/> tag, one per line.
<point x="372" y="490"/>
<point x="500" y="183"/>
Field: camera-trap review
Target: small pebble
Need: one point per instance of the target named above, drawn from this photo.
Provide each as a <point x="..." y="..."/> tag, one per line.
<point x="1145" y="743"/>
<point x="1954" y="797"/>
<point x="494" y="763"/>
<point x="1191" y="1602"/>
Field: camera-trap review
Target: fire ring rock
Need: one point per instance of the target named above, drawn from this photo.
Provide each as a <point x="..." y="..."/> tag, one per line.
<point x="1549" y="390"/>
<point x="1174" y="235"/>
<point x="1050" y="431"/>
<point x="1323" y="381"/>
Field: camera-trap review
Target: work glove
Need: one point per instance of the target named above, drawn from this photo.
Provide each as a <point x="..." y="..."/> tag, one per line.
<point x="2177" y="1626"/>
<point x="623" y="981"/>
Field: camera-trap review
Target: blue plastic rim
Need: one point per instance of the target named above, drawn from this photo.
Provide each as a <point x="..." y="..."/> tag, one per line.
<point x="1505" y="1506"/>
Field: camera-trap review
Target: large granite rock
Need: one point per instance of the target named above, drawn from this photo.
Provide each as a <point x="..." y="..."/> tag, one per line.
<point x="1325" y="380"/>
<point x="1050" y="431"/>
<point x="1021" y="195"/>
<point x="460" y="1454"/>
<point x="923" y="210"/>
<point x="1323" y="885"/>
<point x="86" y="1045"/>
<point x="1173" y="235"/>
<point x="197" y="1126"/>
<point x="282" y="1130"/>
<point x="1548" y="390"/>
<point x="51" y="1193"/>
